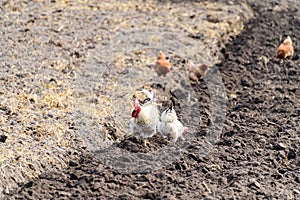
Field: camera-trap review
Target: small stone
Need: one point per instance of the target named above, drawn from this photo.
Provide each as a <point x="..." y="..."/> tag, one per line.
<point x="246" y="83"/>
<point x="65" y="194"/>
<point x="6" y="191"/>
<point x="291" y="154"/>
<point x="3" y="138"/>
<point x="233" y="96"/>
<point x="254" y="182"/>
<point x="257" y="184"/>
<point x="262" y="140"/>
<point x="237" y="145"/>
<point x="296" y="191"/>
<point x="297" y="179"/>
<point x="223" y="180"/>
<point x="96" y="186"/>
<point x="279" y="146"/>
<point x="282" y="145"/>
<point x="177" y="93"/>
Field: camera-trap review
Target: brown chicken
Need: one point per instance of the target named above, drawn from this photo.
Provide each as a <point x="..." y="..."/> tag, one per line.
<point x="162" y="66"/>
<point x="197" y="72"/>
<point x="286" y="49"/>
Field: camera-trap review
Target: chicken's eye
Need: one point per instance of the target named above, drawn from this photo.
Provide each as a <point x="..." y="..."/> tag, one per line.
<point x="146" y="100"/>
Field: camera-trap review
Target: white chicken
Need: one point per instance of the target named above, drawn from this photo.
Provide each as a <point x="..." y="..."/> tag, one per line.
<point x="145" y="118"/>
<point x="170" y="126"/>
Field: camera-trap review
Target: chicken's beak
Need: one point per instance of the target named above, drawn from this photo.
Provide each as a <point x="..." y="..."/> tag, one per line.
<point x="170" y="108"/>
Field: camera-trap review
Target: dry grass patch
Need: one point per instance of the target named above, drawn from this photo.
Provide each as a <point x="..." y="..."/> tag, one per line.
<point x="37" y="128"/>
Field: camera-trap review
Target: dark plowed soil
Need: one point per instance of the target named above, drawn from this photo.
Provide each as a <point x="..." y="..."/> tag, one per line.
<point x="257" y="156"/>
